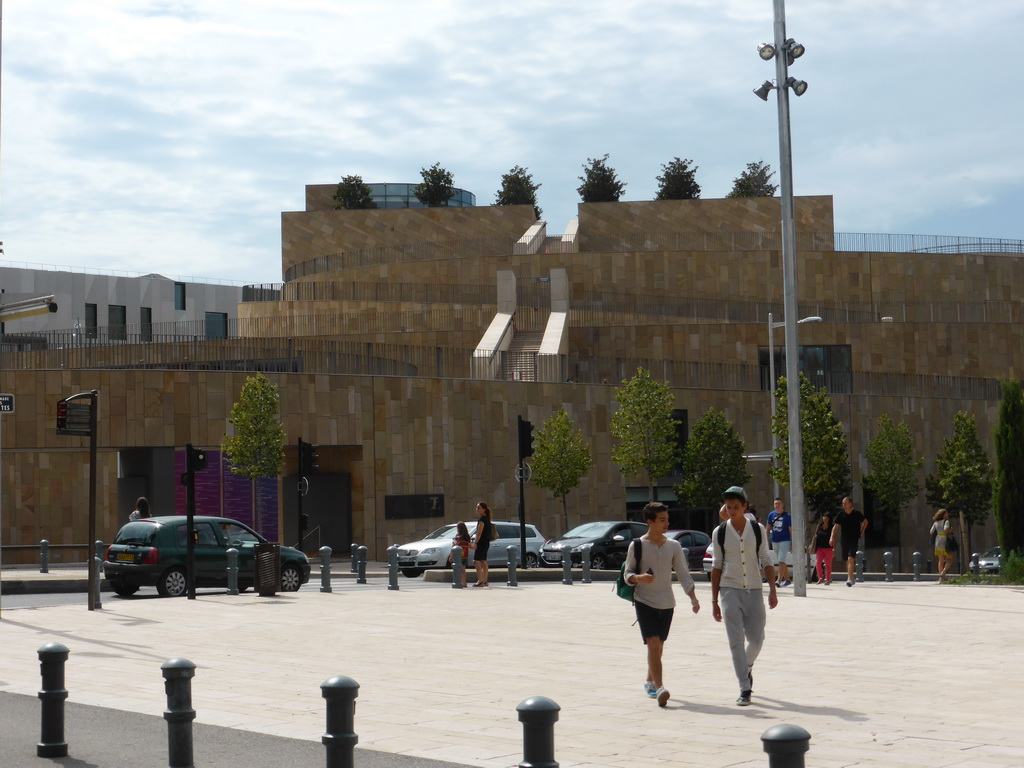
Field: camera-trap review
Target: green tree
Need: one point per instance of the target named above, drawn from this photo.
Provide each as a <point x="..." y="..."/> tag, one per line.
<point x="894" y="469"/>
<point x="517" y="188"/>
<point x="962" y="482"/>
<point x="561" y="457"/>
<point x="437" y="187"/>
<point x="756" y="181"/>
<point x="353" y="194"/>
<point x="826" y="455"/>
<point x="713" y="459"/>
<point x="678" y="181"/>
<point x="1008" y="498"/>
<point x="256" y="449"/>
<point x="645" y="429"/>
<point x="600" y="183"/>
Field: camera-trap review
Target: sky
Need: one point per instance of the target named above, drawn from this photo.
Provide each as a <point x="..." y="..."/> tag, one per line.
<point x="168" y="136"/>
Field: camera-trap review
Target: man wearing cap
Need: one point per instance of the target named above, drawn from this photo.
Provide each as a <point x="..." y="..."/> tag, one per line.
<point x="739" y="554"/>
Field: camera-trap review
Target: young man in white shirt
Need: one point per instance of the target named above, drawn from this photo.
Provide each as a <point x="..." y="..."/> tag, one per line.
<point x="653" y="598"/>
<point x="736" y="568"/>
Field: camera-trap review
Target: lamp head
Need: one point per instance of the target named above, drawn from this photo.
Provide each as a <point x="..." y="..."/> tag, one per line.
<point x="799" y="87"/>
<point x="766" y="51"/>
<point x="764" y="89"/>
<point x="794" y="50"/>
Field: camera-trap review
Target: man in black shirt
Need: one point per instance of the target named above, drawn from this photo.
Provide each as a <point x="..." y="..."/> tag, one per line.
<point x="851" y="525"/>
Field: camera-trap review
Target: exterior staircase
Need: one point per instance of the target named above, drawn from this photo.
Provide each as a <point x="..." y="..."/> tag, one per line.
<point x="521" y="357"/>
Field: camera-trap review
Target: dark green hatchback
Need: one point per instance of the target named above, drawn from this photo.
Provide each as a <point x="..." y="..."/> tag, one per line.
<point x="153" y="552"/>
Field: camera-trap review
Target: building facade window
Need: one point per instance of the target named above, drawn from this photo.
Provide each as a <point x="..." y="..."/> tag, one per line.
<point x="216" y="325"/>
<point x="404" y="196"/>
<point x="828" y="366"/>
<point x="179" y="295"/>
<point x="146" y="323"/>
<point x="90" y="321"/>
<point x="117" y="319"/>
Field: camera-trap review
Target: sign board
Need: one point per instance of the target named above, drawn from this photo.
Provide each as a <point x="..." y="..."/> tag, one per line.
<point x="6" y="403"/>
<point x="413" y="505"/>
<point x="74" y="417"/>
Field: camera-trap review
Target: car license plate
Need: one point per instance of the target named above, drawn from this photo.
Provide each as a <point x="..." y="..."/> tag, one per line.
<point x="126" y="557"/>
<point x="553" y="557"/>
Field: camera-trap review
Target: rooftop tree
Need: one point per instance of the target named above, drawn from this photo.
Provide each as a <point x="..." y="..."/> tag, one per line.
<point x="437" y="187"/>
<point x="678" y="181"/>
<point x="517" y="188"/>
<point x="353" y="194"/>
<point x="756" y="181"/>
<point x="600" y="183"/>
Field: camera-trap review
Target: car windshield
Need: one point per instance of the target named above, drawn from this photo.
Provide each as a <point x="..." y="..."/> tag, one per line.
<point x="994" y="552"/>
<point x="445" y="532"/>
<point x="587" y="531"/>
<point x="136" y="533"/>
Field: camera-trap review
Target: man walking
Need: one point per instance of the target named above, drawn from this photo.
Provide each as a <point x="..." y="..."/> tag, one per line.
<point x="780" y="523"/>
<point x="650" y="570"/>
<point x="852" y="525"/>
<point x="740" y="552"/>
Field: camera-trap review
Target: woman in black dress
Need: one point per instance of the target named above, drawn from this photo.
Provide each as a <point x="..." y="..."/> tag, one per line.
<point x="481" y="544"/>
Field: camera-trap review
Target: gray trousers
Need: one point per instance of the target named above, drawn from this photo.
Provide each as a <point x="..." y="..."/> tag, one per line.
<point x="744" y="617"/>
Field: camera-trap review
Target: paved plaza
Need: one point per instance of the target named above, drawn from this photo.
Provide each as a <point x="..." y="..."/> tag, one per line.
<point x="881" y="674"/>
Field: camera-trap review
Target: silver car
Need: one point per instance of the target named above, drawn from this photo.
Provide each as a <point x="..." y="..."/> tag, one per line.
<point x="435" y="549"/>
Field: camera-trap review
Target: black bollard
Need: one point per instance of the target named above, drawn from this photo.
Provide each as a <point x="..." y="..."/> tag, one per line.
<point x="917" y="565"/>
<point x="178" y="674"/>
<point x="44" y="556"/>
<point x="457" y="567"/>
<point x="393" y="567"/>
<point x="361" y="565"/>
<point x="52" y="657"/>
<point x="97" y="601"/>
<point x="786" y="746"/>
<point x="887" y="558"/>
<point x="340" y="738"/>
<point x="325" y="569"/>
<point x="975" y="564"/>
<point x="513" y="561"/>
<point x="538" y="716"/>
<point x="566" y="567"/>
<point x="232" y="554"/>
<point x="585" y="562"/>
<point x="354" y="550"/>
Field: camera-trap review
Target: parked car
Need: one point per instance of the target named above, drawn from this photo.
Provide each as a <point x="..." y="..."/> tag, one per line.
<point x="708" y="559"/>
<point x="608" y="541"/>
<point x="435" y="549"/>
<point x="990" y="561"/>
<point x="153" y="552"/>
<point x="695" y="543"/>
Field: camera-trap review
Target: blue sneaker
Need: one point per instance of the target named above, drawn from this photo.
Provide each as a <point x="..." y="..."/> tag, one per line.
<point x="652" y="692"/>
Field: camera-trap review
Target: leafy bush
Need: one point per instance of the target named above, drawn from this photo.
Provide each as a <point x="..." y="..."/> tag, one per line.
<point x="1012" y="568"/>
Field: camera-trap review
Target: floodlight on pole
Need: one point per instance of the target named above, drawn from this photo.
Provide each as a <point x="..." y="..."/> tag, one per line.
<point x="764" y="89"/>
<point x="16" y="310"/>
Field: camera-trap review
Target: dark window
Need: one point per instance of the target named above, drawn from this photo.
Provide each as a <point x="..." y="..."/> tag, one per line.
<point x="90" y="321"/>
<point x="117" y="318"/>
<point x="216" y="325"/>
<point x="825" y="366"/>
<point x="179" y="295"/>
<point x="146" y="323"/>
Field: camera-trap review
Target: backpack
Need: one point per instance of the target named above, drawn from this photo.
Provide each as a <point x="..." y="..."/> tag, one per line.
<point x="720" y="534"/>
<point x="622" y="589"/>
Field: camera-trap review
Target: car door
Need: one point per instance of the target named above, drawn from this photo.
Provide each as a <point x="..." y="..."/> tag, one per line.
<point x="211" y="562"/>
<point x="618" y="542"/>
<point x="245" y="541"/>
<point x="508" y="535"/>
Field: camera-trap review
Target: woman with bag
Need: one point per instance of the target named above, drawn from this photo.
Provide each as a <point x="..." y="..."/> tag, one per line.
<point x="941" y="529"/>
<point x="482" y="543"/>
<point x="823" y="547"/>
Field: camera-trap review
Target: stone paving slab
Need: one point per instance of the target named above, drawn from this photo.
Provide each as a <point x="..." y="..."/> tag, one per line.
<point x="881" y="674"/>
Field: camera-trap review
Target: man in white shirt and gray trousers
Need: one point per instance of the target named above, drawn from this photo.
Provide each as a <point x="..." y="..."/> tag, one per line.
<point x="739" y="555"/>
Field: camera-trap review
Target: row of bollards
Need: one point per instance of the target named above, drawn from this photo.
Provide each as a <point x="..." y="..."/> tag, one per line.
<point x="784" y="744"/>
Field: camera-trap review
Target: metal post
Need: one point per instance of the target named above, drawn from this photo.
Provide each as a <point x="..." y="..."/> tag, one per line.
<point x="887" y="559"/>
<point x="340" y="738"/>
<point x="232" y="571"/>
<point x="585" y="558"/>
<point x="354" y="549"/>
<point x="860" y="560"/>
<point x="975" y="565"/>
<point x="773" y="382"/>
<point x="44" y="556"/>
<point x="538" y="716"/>
<point x="513" y="558"/>
<point x="566" y="567"/>
<point x="98" y="567"/>
<point x="178" y="674"/>
<point x="457" y="567"/>
<point x="918" y="557"/>
<point x="52" y="694"/>
<point x="325" y="569"/>
<point x="361" y="566"/>
<point x="786" y="746"/>
<point x="393" y="567"/>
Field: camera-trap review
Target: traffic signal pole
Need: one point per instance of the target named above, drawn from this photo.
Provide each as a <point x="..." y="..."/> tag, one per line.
<point x="524" y="432"/>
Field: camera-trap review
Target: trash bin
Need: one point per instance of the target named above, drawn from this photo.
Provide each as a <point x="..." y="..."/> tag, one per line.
<point x="267" y="568"/>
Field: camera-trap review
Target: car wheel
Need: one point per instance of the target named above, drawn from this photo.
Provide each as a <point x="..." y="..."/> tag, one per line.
<point x="124" y="590"/>
<point x="173" y="583"/>
<point x="532" y="561"/>
<point x="412" y="573"/>
<point x="598" y="562"/>
<point x="291" y="579"/>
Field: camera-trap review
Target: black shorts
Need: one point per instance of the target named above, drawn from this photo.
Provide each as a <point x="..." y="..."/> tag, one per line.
<point x="480" y="553"/>
<point x="848" y="549"/>
<point x="654" y="622"/>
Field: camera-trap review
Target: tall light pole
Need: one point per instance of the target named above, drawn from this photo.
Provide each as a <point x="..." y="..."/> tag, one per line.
<point x="772" y="381"/>
<point x="785" y="51"/>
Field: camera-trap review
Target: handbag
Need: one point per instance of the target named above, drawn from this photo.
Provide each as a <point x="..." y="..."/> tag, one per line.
<point x="951" y="544"/>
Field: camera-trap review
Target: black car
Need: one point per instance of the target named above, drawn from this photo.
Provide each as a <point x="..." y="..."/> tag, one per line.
<point x="608" y="544"/>
<point x="152" y="552"/>
<point x="695" y="543"/>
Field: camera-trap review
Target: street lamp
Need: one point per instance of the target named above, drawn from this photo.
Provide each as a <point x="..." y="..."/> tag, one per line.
<point x="772" y="382"/>
<point x="786" y="51"/>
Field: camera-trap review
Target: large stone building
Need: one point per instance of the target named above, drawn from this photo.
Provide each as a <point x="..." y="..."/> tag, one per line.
<point x="406" y="342"/>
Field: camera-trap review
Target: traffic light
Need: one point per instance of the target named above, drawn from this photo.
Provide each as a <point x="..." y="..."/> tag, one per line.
<point x="309" y="459"/>
<point x="525" y="438"/>
<point x="195" y="459"/>
<point x="62" y="415"/>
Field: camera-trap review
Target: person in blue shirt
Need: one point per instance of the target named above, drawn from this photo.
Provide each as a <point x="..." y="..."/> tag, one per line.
<point x="781" y="526"/>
